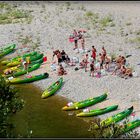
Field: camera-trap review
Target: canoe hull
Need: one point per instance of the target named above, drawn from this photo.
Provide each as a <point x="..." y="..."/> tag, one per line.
<point x="85" y="103"/>
<point x="28" y="80"/>
<point x="96" y="112"/>
<point x="54" y="87"/>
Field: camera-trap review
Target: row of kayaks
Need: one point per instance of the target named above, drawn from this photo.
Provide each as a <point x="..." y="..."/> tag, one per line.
<point x="36" y="60"/>
<point x="15" y="67"/>
<point x="6" y="50"/>
<point x="91" y="101"/>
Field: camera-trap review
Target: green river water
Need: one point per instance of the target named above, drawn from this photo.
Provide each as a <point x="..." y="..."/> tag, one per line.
<point x="44" y="117"/>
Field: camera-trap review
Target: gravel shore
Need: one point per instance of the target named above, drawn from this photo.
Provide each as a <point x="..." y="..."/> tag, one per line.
<point x="53" y="22"/>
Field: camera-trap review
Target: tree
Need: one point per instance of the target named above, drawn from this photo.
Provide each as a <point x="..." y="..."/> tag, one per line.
<point x="10" y="103"/>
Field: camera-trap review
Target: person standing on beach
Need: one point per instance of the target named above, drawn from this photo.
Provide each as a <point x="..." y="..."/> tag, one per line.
<point x="104" y="51"/>
<point x="93" y="55"/>
<point x="83" y="42"/>
<point x="102" y="59"/>
<point x="75" y="35"/>
<point x="54" y="54"/>
<point x="107" y="62"/>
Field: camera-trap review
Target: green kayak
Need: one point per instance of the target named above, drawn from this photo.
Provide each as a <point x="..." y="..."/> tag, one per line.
<point x="115" y="118"/>
<point x="94" y="112"/>
<point x="32" y="58"/>
<point x="4" y="62"/>
<point x="84" y="103"/>
<point x="37" y="61"/>
<point x="129" y="126"/>
<point x="21" y="71"/>
<point x="7" y="50"/>
<point x="52" y="88"/>
<point x="19" y="68"/>
<point x="27" y="79"/>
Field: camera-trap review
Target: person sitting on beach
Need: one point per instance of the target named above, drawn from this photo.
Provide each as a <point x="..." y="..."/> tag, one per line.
<point x="107" y="62"/>
<point x="118" y="59"/>
<point x="123" y="60"/>
<point x="61" y="70"/>
<point x="93" y="55"/>
<point x="92" y="69"/>
<point x="8" y="71"/>
<point x="123" y="70"/>
<point x="63" y="55"/>
<point x="117" y="67"/>
<point x="128" y="73"/>
<point x="84" y="62"/>
<point x="101" y="60"/>
<point x="54" y="54"/>
<point x="67" y="59"/>
<point x="59" y="57"/>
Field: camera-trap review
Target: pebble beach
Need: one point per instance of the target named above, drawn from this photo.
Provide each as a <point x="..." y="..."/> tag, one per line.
<point x="53" y="22"/>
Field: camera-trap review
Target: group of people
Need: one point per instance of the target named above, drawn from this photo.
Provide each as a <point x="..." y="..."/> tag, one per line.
<point x="78" y="36"/>
<point x="103" y="60"/>
<point x="61" y="57"/>
<point x="124" y="72"/>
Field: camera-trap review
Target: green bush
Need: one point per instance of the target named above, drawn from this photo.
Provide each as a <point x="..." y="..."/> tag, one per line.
<point x="105" y="21"/>
<point x="9" y="105"/>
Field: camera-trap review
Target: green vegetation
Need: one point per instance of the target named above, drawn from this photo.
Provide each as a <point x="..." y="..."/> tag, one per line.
<point x="9" y="105"/>
<point x="11" y="14"/>
<point x="112" y="131"/>
<point x="97" y="22"/>
<point x="91" y="15"/>
<point x="128" y="23"/>
<point x="135" y="40"/>
<point x="105" y="21"/>
<point x="28" y="41"/>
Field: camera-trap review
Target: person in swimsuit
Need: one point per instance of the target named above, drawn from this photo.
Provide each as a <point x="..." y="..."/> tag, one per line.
<point x="123" y="60"/>
<point x="117" y="67"/>
<point x="63" y="56"/>
<point x="93" y="55"/>
<point x="92" y="69"/>
<point x="75" y="35"/>
<point x="107" y="62"/>
<point x="61" y="70"/>
<point x="83" y="42"/>
<point x="103" y="51"/>
<point x="128" y="73"/>
<point x="59" y="57"/>
<point x="123" y="70"/>
<point x="101" y="60"/>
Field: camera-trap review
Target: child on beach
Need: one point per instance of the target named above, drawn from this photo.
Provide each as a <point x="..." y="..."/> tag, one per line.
<point x="84" y="62"/>
<point x="92" y="69"/>
<point x="61" y="70"/>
